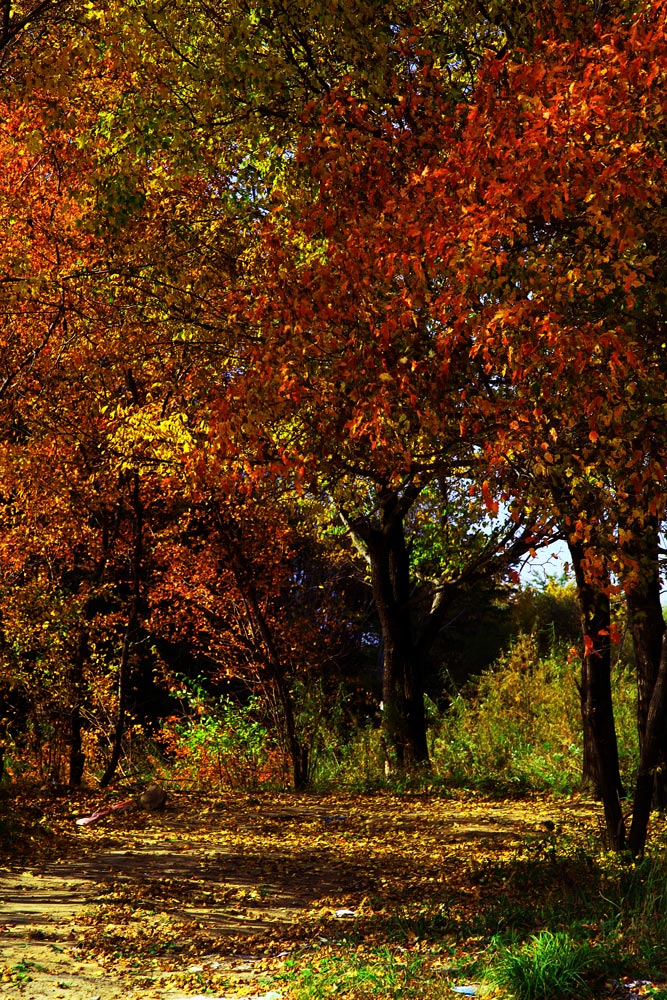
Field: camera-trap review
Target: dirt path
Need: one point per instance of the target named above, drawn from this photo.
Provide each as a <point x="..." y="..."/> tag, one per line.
<point x="212" y="895"/>
<point x="45" y="939"/>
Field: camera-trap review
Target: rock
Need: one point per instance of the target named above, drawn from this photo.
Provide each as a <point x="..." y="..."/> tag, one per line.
<point x="152" y="798"/>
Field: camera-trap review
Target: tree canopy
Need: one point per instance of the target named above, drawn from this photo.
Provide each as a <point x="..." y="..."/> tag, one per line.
<point x="286" y="289"/>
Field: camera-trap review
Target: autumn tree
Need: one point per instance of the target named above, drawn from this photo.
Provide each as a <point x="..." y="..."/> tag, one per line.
<point x="579" y="277"/>
<point x="112" y="370"/>
<point x="239" y="585"/>
<point x="510" y="290"/>
<point x="86" y="366"/>
<point x="289" y="57"/>
<point x="554" y="235"/>
<point x="339" y="383"/>
<point x="250" y="232"/>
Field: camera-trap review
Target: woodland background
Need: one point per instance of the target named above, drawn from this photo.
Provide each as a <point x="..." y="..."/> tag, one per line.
<point x="316" y="320"/>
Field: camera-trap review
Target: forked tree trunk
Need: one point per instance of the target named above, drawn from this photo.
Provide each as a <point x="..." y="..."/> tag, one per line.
<point x="406" y="644"/>
<point x="596" y="696"/>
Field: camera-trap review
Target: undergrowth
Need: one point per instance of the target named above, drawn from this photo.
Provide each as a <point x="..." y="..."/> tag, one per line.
<point x="515" y="729"/>
<point x="550" y="966"/>
<point x="554" y="922"/>
<point x="364" y="973"/>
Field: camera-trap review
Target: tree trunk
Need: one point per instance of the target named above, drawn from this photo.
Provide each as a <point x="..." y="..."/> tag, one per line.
<point x="3" y="737"/>
<point x="298" y="751"/>
<point x="269" y="657"/>
<point x="403" y="714"/>
<point x="650" y="757"/>
<point x="596" y="698"/>
<point x="119" y="729"/>
<point x="647" y="627"/>
<point x="130" y="631"/>
<point x="76" y="755"/>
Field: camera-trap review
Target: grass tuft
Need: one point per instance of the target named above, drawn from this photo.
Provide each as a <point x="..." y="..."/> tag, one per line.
<point x="551" y="966"/>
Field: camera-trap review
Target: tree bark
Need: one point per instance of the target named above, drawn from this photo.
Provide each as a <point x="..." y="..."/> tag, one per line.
<point x="403" y="714"/>
<point x="596" y="697"/>
<point x="130" y="631"/>
<point x="76" y="755"/>
<point x="647" y="627"/>
<point x="650" y="757"/>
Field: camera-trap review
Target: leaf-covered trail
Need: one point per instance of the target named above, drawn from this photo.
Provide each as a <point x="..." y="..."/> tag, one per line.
<point x="212" y="893"/>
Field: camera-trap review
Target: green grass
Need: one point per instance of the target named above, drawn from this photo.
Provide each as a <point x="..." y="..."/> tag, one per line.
<point x="557" y="921"/>
<point x="364" y="974"/>
<point x="550" y="966"/>
<point x="633" y="911"/>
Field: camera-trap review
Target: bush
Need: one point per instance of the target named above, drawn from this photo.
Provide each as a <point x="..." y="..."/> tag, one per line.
<point x="549" y="612"/>
<point x="225" y="744"/>
<point x="355" y="762"/>
<point x="518" y="726"/>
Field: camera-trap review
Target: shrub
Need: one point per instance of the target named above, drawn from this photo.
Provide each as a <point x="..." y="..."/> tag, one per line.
<point x="354" y="761"/>
<point x="518" y="726"/>
<point x="225" y="744"/>
<point x="549" y="612"/>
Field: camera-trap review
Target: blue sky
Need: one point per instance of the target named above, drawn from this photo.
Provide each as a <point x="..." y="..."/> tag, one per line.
<point x="549" y="561"/>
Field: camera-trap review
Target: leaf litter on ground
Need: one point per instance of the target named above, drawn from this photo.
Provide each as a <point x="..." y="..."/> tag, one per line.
<point x="234" y="895"/>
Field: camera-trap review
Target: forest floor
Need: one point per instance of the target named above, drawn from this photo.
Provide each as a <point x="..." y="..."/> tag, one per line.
<point x="214" y="895"/>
